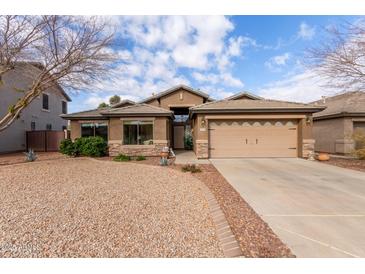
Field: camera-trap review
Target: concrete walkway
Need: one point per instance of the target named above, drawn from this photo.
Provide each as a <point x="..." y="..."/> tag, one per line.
<point x="318" y="210"/>
<point x="188" y="157"/>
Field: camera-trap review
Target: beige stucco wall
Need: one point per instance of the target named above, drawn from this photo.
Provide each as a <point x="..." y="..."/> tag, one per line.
<point x="178" y="98"/>
<point x="75" y="129"/>
<point x="115" y="129"/>
<point x="115" y="136"/>
<point x="159" y="129"/>
<point x="333" y="135"/>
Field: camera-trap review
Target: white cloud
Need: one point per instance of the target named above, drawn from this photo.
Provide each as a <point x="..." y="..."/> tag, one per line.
<point x="275" y="63"/>
<point x="223" y="78"/>
<point x="306" y="32"/>
<point x="162" y="51"/>
<point x="303" y="87"/>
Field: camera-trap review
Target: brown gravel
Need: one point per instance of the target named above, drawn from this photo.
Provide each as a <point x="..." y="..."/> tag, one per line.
<point x="347" y="163"/>
<point x="19" y="157"/>
<point x="255" y="237"/>
<point x="89" y="208"/>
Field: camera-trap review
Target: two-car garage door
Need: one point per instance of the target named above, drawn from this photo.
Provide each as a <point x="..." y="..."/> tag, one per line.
<point x="253" y="138"/>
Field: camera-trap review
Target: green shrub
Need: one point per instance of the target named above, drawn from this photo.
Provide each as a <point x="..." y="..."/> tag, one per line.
<point x="122" y="158"/>
<point x="92" y="146"/>
<point x="67" y="147"/>
<point x="188" y="141"/>
<point x="85" y="146"/>
<point x="191" y="168"/>
<point x="140" y="158"/>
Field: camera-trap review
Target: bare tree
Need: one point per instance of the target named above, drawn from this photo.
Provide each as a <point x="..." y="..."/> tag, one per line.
<point x="340" y="58"/>
<point x="18" y="34"/>
<point x="73" y="52"/>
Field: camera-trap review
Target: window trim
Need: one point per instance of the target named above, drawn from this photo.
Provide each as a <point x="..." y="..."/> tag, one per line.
<point x="93" y="123"/>
<point x="152" y="120"/>
<point x="64" y="101"/>
<point x="44" y="109"/>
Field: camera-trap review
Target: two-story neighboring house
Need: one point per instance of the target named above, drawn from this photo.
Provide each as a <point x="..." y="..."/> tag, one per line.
<point x="43" y="113"/>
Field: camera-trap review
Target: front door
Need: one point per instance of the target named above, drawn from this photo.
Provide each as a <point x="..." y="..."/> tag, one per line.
<point x="179" y="137"/>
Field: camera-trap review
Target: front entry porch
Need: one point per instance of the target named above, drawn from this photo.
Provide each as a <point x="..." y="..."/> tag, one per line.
<point x="184" y="157"/>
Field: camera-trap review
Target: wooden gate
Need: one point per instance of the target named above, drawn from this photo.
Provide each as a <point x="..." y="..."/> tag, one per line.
<point x="44" y="140"/>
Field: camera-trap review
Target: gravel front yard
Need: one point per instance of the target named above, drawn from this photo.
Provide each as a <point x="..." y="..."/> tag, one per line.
<point x="19" y="157"/>
<point x="89" y="208"/>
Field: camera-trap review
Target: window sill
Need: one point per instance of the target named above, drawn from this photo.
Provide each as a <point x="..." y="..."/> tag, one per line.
<point x="138" y="146"/>
<point x="46" y="110"/>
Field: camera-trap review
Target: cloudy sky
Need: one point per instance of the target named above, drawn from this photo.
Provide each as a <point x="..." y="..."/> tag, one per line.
<point x="216" y="54"/>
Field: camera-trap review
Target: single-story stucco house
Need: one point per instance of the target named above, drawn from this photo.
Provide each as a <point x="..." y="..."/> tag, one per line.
<point x="333" y="127"/>
<point x="243" y="125"/>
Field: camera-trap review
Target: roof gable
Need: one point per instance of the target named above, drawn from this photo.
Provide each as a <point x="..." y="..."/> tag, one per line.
<point x="244" y="95"/>
<point x="176" y="89"/>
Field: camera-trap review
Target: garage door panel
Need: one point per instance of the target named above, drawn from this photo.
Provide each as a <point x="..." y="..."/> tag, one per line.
<point x="253" y="138"/>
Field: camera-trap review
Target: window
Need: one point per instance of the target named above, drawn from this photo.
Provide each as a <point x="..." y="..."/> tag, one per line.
<point x="49" y="127"/>
<point x="32" y="126"/>
<point x="181" y="118"/>
<point x="64" y="107"/>
<point x="45" y="99"/>
<point x="94" y="129"/>
<point x="138" y="132"/>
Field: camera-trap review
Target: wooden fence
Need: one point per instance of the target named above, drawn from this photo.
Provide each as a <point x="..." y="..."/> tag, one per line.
<point x="45" y="140"/>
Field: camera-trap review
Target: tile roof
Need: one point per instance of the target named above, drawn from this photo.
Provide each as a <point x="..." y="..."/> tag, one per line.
<point x="132" y="110"/>
<point x="122" y="103"/>
<point x="170" y="90"/>
<point x="247" y="105"/>
<point x="244" y="94"/>
<point x="351" y="102"/>
<point x="87" y="114"/>
<point x="137" y="109"/>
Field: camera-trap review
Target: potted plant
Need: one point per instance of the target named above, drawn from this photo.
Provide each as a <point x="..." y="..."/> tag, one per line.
<point x="323" y="156"/>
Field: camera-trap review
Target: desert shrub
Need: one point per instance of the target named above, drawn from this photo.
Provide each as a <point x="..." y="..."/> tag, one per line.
<point x="360" y="153"/>
<point x="359" y="138"/>
<point x="191" y="168"/>
<point x="122" y="158"/>
<point x="140" y="158"/>
<point x="85" y="146"/>
<point x="67" y="147"/>
<point x="30" y="156"/>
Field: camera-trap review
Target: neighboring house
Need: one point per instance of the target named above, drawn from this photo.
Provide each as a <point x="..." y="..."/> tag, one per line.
<point x="244" y="125"/>
<point x="43" y="113"/>
<point x="333" y="127"/>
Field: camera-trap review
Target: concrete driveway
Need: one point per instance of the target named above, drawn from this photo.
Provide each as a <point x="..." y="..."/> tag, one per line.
<point x="318" y="210"/>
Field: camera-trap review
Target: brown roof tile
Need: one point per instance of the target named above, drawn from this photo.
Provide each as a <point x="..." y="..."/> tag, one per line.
<point x="247" y="105"/>
<point x="351" y="102"/>
<point x="137" y="109"/>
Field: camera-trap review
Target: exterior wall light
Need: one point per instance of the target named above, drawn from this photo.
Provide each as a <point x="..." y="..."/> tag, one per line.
<point x="309" y="120"/>
<point x="202" y="123"/>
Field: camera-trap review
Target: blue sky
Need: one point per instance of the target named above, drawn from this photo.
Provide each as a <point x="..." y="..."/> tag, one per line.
<point x="220" y="55"/>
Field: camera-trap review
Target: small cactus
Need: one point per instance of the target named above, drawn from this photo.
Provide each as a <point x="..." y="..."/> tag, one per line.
<point x="30" y="156"/>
